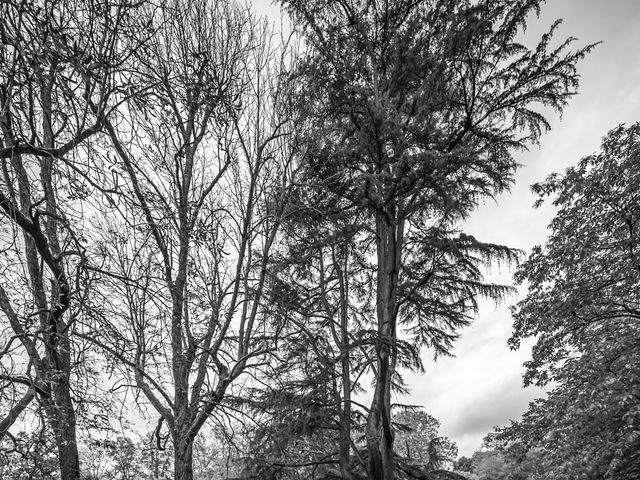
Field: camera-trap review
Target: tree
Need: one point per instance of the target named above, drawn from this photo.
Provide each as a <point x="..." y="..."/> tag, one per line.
<point x="296" y="433"/>
<point x="413" y="110"/>
<point x="201" y="162"/>
<point x="56" y="58"/>
<point x="322" y="301"/>
<point x="582" y="306"/>
<point x="499" y="460"/>
<point x="417" y="440"/>
<point x="491" y="465"/>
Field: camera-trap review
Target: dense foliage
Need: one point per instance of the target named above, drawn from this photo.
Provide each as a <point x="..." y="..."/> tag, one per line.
<point x="584" y="309"/>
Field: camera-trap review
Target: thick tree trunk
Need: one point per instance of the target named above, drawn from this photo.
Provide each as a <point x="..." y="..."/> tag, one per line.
<point x="372" y="436"/>
<point x="183" y="460"/>
<point x="61" y="416"/>
<point x="378" y="431"/>
<point x="66" y="441"/>
<point x="66" y="435"/>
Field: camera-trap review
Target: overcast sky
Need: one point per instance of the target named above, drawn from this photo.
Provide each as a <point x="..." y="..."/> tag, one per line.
<point x="482" y="386"/>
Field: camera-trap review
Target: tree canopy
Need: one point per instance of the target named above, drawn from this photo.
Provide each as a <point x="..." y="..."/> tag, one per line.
<point x="583" y="307"/>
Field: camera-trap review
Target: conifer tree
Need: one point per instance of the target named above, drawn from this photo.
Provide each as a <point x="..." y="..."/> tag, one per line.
<point x="414" y="109"/>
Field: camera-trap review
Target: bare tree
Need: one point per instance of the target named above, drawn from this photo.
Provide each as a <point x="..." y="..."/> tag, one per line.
<point x="200" y="177"/>
<point x="57" y="58"/>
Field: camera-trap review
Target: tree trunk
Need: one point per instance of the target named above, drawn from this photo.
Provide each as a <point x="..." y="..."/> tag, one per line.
<point x="183" y="460"/>
<point x="345" y="419"/>
<point x="344" y="456"/>
<point x="379" y="444"/>
<point x="378" y="430"/>
<point x="62" y="415"/>
<point x="62" y="420"/>
<point x="66" y="442"/>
